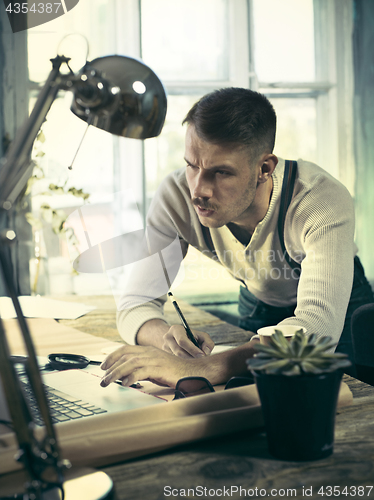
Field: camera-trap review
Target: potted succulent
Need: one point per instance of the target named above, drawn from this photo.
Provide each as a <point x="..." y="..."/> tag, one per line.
<point x="298" y="382"/>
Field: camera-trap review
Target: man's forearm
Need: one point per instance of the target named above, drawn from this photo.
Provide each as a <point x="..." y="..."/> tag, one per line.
<point x="152" y="333"/>
<point x="132" y="363"/>
<point x="219" y="368"/>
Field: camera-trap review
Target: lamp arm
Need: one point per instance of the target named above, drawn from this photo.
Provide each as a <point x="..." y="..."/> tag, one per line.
<point x="15" y="170"/>
<point x="106" y="99"/>
<point x="19" y="412"/>
<point x="36" y="456"/>
<point x="15" y="167"/>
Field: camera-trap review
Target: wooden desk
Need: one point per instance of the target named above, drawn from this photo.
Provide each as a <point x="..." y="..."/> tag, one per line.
<point x="241" y="460"/>
<point x="101" y="322"/>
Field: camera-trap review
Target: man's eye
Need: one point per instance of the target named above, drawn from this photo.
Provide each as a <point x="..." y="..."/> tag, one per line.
<point x="223" y="172"/>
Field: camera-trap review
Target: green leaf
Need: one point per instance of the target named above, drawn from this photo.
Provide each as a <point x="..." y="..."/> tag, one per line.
<point x="320" y="349"/>
<point x="312" y="338"/>
<point x="58" y="220"/>
<point x="79" y="193"/>
<point x="46" y="213"/>
<point x="279" y="341"/>
<point x="254" y="363"/>
<point x="40" y="137"/>
<point x="308" y="367"/>
<point x="56" y="189"/>
<point x="342" y="363"/>
<point x="307" y="350"/>
<point x="300" y="345"/>
<point x="323" y="341"/>
<point x="267" y="349"/>
<point x="336" y="355"/>
<point x="295" y="370"/>
<point x="281" y="363"/>
<point x="268" y="365"/>
<point x="30" y="184"/>
<point x="294" y="346"/>
<point x="33" y="221"/>
<point x="263" y="355"/>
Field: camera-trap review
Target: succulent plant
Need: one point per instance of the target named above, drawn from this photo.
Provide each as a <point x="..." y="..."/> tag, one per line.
<point x="303" y="354"/>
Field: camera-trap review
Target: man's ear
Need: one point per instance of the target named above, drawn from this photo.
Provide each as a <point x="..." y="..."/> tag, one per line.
<point x="267" y="165"/>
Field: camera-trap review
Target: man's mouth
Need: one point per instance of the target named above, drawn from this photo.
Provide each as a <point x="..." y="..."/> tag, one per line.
<point x="204" y="212"/>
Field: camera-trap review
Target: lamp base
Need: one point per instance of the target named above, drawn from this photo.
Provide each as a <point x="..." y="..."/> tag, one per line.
<point x="78" y="484"/>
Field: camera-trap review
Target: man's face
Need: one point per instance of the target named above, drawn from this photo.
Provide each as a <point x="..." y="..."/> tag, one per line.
<point x="222" y="180"/>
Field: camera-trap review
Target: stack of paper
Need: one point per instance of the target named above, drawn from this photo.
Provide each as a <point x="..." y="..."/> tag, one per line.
<point x="40" y="307"/>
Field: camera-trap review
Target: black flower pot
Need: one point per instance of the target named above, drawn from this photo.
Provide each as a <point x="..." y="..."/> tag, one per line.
<point x="299" y="413"/>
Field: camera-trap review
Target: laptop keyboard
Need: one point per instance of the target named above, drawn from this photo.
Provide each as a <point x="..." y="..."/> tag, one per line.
<point x="63" y="407"/>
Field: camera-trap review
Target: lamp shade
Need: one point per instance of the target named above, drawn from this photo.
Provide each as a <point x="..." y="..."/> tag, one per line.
<point x="121" y="95"/>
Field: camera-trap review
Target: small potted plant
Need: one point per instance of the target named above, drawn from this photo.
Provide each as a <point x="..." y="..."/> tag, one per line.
<point x="45" y="217"/>
<point x="298" y="382"/>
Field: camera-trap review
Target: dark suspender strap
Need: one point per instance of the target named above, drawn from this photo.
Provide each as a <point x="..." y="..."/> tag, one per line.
<point x="208" y="239"/>
<point x="290" y="170"/>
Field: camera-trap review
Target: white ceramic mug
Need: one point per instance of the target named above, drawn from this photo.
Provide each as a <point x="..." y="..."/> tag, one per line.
<point x="287" y="330"/>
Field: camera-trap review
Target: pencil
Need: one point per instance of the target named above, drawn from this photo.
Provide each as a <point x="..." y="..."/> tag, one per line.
<point x="190" y="335"/>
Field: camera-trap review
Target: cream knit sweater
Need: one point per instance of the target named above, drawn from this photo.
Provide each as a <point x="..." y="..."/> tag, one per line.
<point x="319" y="232"/>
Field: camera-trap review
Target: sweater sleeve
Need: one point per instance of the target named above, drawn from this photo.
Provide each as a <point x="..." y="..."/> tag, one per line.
<point x="150" y="278"/>
<point x="322" y="224"/>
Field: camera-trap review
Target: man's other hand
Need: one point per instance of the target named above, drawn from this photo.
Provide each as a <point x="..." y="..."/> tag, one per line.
<point x="133" y="363"/>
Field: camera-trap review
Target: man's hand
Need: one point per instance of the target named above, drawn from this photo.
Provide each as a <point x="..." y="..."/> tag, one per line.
<point x="173" y="339"/>
<point x="133" y="363"/>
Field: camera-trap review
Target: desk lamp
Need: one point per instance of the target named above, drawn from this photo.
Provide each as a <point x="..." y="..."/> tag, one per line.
<point x="124" y="97"/>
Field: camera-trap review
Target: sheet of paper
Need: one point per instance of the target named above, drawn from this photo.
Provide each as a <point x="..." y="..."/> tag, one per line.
<point x="50" y="336"/>
<point x="220" y="348"/>
<point x="40" y="307"/>
<point x="216" y="349"/>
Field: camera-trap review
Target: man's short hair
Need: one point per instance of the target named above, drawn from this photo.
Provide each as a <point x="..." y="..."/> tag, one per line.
<point x="235" y="115"/>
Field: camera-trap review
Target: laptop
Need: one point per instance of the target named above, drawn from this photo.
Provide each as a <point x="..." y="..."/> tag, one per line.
<point x="76" y="394"/>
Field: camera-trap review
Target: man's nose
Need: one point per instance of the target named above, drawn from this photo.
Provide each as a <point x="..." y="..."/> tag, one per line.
<point x="203" y="187"/>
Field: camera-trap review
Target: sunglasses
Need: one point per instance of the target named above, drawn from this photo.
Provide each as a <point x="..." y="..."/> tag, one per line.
<point x="193" y="386"/>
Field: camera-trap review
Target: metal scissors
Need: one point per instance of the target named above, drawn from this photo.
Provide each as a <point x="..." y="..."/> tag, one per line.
<point x="61" y="361"/>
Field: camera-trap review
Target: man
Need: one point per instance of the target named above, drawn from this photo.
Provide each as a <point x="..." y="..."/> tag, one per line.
<point x="296" y="263"/>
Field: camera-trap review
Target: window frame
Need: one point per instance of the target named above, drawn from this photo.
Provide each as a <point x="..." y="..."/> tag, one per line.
<point x="332" y="89"/>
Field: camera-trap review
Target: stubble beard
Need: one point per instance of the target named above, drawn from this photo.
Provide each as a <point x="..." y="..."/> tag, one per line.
<point x="246" y="201"/>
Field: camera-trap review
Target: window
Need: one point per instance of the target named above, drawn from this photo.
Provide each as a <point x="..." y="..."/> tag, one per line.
<point x="287" y="50"/>
<point x="283" y="40"/>
<point x="96" y="160"/>
<point x="284" y="65"/>
<point x="302" y="61"/>
<point x="199" y="49"/>
<point x="186" y="41"/>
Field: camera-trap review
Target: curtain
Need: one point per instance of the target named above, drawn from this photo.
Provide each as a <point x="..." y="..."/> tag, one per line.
<point x="13" y="111"/>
